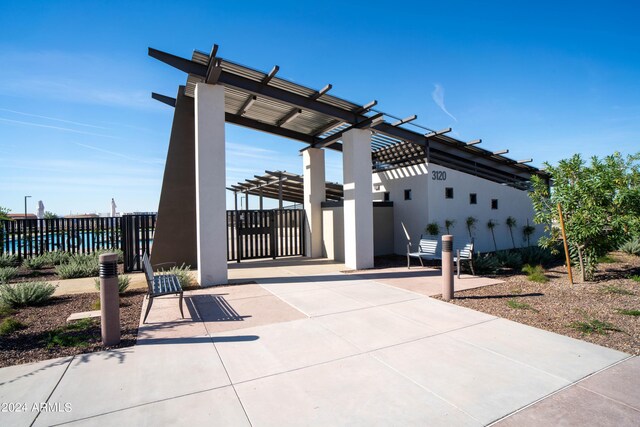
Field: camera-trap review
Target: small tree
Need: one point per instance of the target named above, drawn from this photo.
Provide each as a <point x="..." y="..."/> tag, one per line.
<point x="600" y="203"/>
<point x="448" y="224"/>
<point x="433" y="229"/>
<point x="491" y="225"/>
<point x="471" y="225"/>
<point x="50" y="215"/>
<point x="527" y="232"/>
<point x="511" y="223"/>
<point x="3" y="213"/>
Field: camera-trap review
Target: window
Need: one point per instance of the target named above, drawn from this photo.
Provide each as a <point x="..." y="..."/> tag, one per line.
<point x="494" y="203"/>
<point x="387" y="196"/>
<point x="448" y="193"/>
<point x="407" y="194"/>
<point x="473" y="199"/>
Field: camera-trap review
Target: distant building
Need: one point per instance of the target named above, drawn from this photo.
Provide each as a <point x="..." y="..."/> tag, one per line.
<point x="21" y="216"/>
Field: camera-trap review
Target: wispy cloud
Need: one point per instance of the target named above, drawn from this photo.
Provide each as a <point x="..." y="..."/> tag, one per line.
<point x="64" y="129"/>
<point x="438" y="98"/>
<point x="53" y="119"/>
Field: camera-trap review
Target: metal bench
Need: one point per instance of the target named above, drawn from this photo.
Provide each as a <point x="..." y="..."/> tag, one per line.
<point x="428" y="248"/>
<point x="160" y="284"/>
<point x="464" y="254"/>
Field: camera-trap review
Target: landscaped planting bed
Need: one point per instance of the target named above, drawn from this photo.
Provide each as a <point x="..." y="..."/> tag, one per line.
<point x="33" y="333"/>
<point x="605" y="312"/>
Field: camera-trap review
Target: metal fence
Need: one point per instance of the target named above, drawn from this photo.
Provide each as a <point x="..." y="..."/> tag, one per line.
<point x="274" y="233"/>
<point x="28" y="238"/>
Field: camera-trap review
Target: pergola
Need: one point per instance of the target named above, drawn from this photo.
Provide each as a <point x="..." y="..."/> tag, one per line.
<point x="218" y="90"/>
<point x="282" y="186"/>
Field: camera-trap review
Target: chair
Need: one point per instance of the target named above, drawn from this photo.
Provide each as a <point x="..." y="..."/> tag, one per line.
<point x="464" y="254"/>
<point x="428" y="248"/>
<point x="160" y="284"/>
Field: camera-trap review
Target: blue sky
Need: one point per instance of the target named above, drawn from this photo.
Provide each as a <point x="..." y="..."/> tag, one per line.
<point x="78" y="126"/>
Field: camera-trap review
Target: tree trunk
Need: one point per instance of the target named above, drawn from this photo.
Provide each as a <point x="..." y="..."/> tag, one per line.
<point x="581" y="263"/>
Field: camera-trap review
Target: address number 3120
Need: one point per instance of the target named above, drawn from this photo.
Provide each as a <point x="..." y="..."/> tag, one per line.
<point x="439" y="176"/>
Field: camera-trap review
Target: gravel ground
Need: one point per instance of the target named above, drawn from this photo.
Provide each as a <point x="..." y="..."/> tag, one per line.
<point x="555" y="305"/>
<point x="33" y="343"/>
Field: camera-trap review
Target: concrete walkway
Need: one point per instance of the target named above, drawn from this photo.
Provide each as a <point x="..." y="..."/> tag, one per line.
<point x="329" y="349"/>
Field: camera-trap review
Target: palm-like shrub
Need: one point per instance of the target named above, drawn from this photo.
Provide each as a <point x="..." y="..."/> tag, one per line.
<point x="471" y="225"/>
<point x="632" y="247"/>
<point x="491" y="225"/>
<point x="448" y="224"/>
<point x="433" y="229"/>
<point x="511" y="223"/>
<point x="486" y="264"/>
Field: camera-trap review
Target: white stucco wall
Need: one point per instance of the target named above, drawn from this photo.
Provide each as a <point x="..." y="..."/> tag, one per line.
<point x="429" y="204"/>
<point x="511" y="202"/>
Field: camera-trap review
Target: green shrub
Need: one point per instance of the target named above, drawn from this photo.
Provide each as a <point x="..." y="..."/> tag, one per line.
<point x="535" y="274"/>
<point x="123" y="283"/>
<point x="7" y="260"/>
<point x="635" y="278"/>
<point x="432" y="229"/>
<point x="10" y="325"/>
<point x="99" y="252"/>
<point x="486" y="264"/>
<point x="535" y="255"/>
<point x="76" y="334"/>
<point x="509" y="259"/>
<point x="632" y="247"/>
<point x="7" y="273"/>
<point x="79" y="266"/>
<point x="35" y="263"/>
<point x="56" y="257"/>
<point x="23" y="294"/>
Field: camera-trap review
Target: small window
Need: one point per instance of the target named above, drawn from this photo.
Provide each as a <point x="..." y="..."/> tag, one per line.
<point x="387" y="196"/>
<point x="448" y="193"/>
<point x="407" y="194"/>
<point x="473" y="199"/>
<point x="494" y="203"/>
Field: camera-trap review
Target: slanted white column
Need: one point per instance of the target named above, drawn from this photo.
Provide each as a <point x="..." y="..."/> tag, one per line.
<point x="210" y="185"/>
<point x="358" y="199"/>
<point x="314" y="195"/>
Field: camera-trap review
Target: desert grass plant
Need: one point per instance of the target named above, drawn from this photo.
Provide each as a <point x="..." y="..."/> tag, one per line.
<point x="432" y="229"/>
<point x="517" y="305"/>
<point x="75" y="334"/>
<point x="491" y="225"/>
<point x="183" y="274"/>
<point x="79" y="266"/>
<point x="634" y="313"/>
<point x="7" y="260"/>
<point x="123" y="283"/>
<point x="449" y="224"/>
<point x="635" y="278"/>
<point x="535" y="273"/>
<point x="486" y="264"/>
<point x="7" y="273"/>
<point x="57" y="257"/>
<point x="511" y="223"/>
<point x="632" y="247"/>
<point x="594" y="326"/>
<point x="470" y="222"/>
<point x="35" y="263"/>
<point x="616" y="290"/>
<point x="606" y="259"/>
<point x="10" y="325"/>
<point x="25" y="294"/>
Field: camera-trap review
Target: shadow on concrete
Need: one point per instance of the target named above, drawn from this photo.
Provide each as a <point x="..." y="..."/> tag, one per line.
<point x="361" y="275"/>
<point x="534" y="294"/>
<point x="280" y="262"/>
<point x="200" y="340"/>
<point x="215" y="308"/>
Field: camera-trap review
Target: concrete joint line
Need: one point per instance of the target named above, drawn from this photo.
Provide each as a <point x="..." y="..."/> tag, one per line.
<point x="53" y="389"/>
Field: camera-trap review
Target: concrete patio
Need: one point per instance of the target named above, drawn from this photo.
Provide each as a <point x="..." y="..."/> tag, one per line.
<point x="308" y="345"/>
